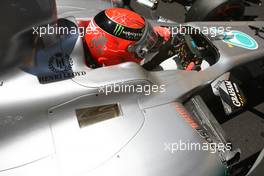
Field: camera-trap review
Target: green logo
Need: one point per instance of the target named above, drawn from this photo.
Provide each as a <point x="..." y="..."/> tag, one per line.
<point x="118" y="29"/>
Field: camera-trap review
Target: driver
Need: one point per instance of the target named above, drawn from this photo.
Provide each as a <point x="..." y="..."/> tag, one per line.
<point x="118" y="35"/>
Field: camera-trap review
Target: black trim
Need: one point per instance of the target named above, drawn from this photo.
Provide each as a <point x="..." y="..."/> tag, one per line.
<point x="116" y="29"/>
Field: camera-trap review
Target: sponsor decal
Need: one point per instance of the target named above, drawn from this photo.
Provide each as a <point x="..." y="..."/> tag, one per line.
<point x="118" y="30"/>
<point x="51" y="64"/>
<point x="200" y="130"/>
<point x="234" y="93"/>
<point x="241" y="39"/>
<point x="186" y="116"/>
<point x="61" y="67"/>
<point x="60" y="63"/>
<point x="132" y="35"/>
<point x="232" y="97"/>
<point x="204" y="131"/>
<point x="126" y="33"/>
<point x="59" y="77"/>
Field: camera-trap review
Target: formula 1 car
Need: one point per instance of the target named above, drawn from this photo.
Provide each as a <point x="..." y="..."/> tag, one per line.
<point x="203" y="10"/>
<point x="60" y="117"/>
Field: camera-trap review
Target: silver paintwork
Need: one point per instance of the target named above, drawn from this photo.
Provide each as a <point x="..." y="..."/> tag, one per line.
<point x="40" y="135"/>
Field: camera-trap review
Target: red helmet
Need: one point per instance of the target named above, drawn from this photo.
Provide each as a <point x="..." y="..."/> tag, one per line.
<point x="119" y="35"/>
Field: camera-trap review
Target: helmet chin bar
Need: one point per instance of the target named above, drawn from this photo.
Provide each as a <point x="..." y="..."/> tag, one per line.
<point x="149" y="42"/>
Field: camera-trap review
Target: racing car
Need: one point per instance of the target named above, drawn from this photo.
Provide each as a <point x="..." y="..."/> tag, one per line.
<point x="60" y="116"/>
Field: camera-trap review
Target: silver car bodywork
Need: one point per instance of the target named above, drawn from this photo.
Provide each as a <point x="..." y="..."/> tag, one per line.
<point x="40" y="134"/>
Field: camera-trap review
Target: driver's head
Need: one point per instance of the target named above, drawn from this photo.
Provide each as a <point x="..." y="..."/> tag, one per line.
<point x="119" y="35"/>
<point x="16" y="30"/>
